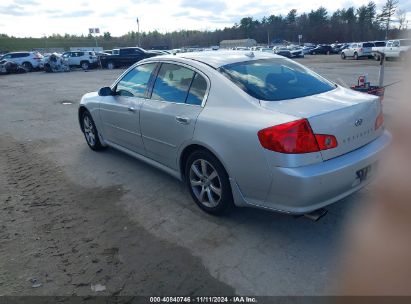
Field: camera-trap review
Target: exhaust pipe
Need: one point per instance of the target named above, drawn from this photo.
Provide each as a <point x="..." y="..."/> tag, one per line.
<point x="316" y="215"/>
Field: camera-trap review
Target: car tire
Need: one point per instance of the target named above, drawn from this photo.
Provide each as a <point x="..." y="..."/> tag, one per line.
<point x="110" y="65"/>
<point x="28" y="66"/>
<point x="343" y="57"/>
<point x="90" y="132"/>
<point x="208" y="183"/>
<point x="85" y="65"/>
<point x="356" y="56"/>
<point x="47" y="68"/>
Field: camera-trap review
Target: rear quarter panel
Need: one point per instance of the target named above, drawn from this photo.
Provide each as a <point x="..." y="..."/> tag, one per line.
<point x="228" y="126"/>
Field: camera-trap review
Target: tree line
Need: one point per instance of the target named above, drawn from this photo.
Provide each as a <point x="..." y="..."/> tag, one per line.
<point x="364" y="23"/>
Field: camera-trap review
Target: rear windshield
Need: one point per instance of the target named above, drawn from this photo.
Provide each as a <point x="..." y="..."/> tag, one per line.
<point x="368" y="45"/>
<point x="275" y="79"/>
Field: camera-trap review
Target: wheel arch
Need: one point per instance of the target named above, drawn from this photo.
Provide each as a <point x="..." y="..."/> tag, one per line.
<point x="190" y="148"/>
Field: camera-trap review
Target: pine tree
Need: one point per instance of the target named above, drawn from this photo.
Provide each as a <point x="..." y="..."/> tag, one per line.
<point x="387" y="13"/>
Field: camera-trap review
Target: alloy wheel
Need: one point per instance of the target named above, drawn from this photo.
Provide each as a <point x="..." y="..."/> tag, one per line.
<point x="89" y="131"/>
<point x="205" y="183"/>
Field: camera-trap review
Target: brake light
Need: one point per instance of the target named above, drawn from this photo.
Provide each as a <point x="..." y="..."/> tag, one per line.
<point x="379" y="121"/>
<point x="295" y="137"/>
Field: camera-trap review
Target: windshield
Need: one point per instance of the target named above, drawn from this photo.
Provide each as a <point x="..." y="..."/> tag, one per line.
<point x="275" y="79"/>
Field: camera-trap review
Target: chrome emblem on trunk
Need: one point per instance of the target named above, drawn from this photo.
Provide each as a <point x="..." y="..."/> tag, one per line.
<point x="358" y="122"/>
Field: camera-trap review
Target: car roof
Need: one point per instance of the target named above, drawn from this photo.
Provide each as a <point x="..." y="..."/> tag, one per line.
<point x="218" y="59"/>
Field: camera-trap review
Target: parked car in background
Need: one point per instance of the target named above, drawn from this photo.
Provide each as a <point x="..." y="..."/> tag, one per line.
<point x="358" y="50"/>
<point x="305" y="142"/>
<point x="397" y="48"/>
<point x="124" y="57"/>
<point x="289" y="52"/>
<point x="267" y="50"/>
<point x="308" y="48"/>
<point x="337" y="48"/>
<point x="378" y="49"/>
<point x="159" y="52"/>
<point x="324" y="49"/>
<point x="56" y="63"/>
<point x="85" y="60"/>
<point x="10" y="67"/>
<point x="29" y="60"/>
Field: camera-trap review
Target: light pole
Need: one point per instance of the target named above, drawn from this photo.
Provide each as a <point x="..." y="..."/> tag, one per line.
<point x="138" y="32"/>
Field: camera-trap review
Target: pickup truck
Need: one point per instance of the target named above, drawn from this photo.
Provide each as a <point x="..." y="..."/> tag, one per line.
<point x="397" y="48"/>
<point x="378" y="48"/>
<point x="124" y="57"/>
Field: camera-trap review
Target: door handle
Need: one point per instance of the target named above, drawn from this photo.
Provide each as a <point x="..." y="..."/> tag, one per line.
<point x="131" y="109"/>
<point x="183" y="120"/>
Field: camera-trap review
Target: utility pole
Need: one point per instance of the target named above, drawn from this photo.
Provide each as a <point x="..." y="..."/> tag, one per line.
<point x="138" y="32"/>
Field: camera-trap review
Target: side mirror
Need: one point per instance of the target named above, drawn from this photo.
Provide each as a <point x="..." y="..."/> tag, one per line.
<point x="106" y="91"/>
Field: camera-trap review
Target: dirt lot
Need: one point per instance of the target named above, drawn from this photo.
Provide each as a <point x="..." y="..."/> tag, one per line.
<point x="72" y="218"/>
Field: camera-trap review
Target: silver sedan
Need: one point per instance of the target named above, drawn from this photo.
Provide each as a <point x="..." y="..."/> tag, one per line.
<point x="241" y="129"/>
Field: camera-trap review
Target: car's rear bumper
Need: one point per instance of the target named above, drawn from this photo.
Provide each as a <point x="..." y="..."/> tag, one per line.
<point x="304" y="189"/>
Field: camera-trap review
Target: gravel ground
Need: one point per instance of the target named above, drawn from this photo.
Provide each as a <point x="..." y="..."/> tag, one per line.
<point x="73" y="220"/>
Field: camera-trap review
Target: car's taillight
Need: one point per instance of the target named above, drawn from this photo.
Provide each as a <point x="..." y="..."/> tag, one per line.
<point x="379" y="121"/>
<point x="295" y="137"/>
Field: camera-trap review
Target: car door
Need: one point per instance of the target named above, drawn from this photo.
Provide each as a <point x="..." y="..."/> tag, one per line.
<point x="168" y="118"/>
<point x="120" y="114"/>
<point x="395" y="50"/>
<point x="17" y="58"/>
<point x="388" y="49"/>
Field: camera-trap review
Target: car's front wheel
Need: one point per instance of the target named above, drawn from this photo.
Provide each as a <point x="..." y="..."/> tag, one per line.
<point x="356" y="56"/>
<point x="208" y="183"/>
<point x="343" y="57"/>
<point x="90" y="132"/>
<point x="85" y="65"/>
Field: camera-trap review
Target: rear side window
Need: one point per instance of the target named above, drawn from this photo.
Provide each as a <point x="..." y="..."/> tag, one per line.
<point x="172" y="83"/>
<point x="197" y="90"/>
<point x="276" y="79"/>
<point x="368" y="45"/>
<point x="134" y="83"/>
<point x="379" y="43"/>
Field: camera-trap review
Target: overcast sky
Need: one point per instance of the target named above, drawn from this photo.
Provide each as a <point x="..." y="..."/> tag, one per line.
<point x="23" y="18"/>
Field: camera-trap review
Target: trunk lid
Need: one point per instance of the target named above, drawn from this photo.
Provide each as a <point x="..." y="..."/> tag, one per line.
<point x="348" y="115"/>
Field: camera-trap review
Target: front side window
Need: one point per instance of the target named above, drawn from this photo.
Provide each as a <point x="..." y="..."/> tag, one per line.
<point x="275" y="79"/>
<point x="134" y="83"/>
<point x="172" y="83"/>
<point x="396" y="44"/>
